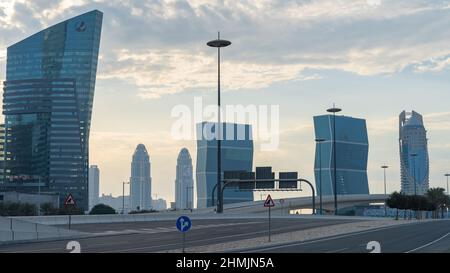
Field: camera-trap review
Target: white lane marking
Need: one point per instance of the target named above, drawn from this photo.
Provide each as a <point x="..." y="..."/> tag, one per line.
<point x="165" y="229"/>
<point x="196" y="241"/>
<point x="430" y="243"/>
<point x="337" y="250"/>
<point x="326" y="239"/>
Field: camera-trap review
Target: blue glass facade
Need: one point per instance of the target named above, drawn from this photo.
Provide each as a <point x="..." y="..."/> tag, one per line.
<point x="237" y="155"/>
<point x="413" y="140"/>
<point x="47" y="103"/>
<point x="352" y="148"/>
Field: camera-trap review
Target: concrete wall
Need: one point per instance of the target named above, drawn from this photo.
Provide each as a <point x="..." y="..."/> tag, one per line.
<point x="17" y="230"/>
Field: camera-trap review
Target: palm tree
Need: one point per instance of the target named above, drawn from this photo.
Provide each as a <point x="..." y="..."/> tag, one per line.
<point x="394" y="202"/>
<point x="438" y="198"/>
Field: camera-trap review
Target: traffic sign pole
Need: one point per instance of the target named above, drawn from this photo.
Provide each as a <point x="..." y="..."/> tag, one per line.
<point x="184" y="241"/>
<point x="269" y="224"/>
<point x="183" y="225"/>
<point x="268" y="204"/>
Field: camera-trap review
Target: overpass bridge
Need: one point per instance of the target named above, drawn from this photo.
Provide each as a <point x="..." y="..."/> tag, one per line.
<point x="305" y="203"/>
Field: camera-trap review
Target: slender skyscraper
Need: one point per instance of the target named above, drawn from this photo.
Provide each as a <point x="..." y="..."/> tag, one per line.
<point x="94" y="186"/>
<point x="47" y="103"/>
<point x="140" y="180"/>
<point x="236" y="155"/>
<point x="352" y="149"/>
<point x="414" y="161"/>
<point x="184" y="183"/>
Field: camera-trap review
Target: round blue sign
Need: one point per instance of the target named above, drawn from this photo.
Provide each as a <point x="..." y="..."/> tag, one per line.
<point x="184" y="223"/>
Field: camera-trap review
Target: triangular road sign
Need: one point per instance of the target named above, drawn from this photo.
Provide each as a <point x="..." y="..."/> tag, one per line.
<point x="70" y="201"/>
<point x="269" y="202"/>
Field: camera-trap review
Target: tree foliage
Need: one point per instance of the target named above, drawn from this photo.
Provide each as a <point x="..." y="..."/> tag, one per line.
<point x="102" y="209"/>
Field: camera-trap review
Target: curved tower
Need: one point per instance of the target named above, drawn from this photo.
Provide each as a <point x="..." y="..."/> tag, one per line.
<point x="414" y="161"/>
<point x="184" y="183"/>
<point x="140" y="180"/>
<point x="47" y="103"/>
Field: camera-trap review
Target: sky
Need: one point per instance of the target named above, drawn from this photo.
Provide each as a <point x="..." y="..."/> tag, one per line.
<point x="372" y="58"/>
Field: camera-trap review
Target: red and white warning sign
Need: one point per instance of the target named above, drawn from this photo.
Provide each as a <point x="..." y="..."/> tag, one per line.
<point x="269" y="202"/>
<point x="70" y="201"/>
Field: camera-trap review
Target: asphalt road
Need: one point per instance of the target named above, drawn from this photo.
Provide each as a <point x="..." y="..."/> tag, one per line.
<point x="426" y="237"/>
<point x="163" y="236"/>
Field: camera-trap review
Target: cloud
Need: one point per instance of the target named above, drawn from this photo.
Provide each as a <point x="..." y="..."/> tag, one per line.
<point x="162" y="72"/>
<point x="159" y="46"/>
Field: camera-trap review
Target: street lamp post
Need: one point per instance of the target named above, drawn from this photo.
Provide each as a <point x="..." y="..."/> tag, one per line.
<point x="319" y="143"/>
<point x="334" y="110"/>
<point x="218" y="44"/>
<point x="384" y="167"/>
<point x="447" y="175"/>
<point x="123" y="196"/>
<point x="414" y="169"/>
<point x="39" y="201"/>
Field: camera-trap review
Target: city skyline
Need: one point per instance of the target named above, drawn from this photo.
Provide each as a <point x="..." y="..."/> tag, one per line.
<point x="412" y="74"/>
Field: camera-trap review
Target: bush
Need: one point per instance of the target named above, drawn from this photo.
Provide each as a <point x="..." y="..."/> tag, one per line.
<point x="17" y="209"/>
<point x="102" y="209"/>
<point x="49" y="209"/>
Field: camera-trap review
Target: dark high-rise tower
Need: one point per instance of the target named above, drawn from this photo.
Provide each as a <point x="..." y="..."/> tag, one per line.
<point x="236" y="155"/>
<point x="47" y="103"/>
<point x="141" y="188"/>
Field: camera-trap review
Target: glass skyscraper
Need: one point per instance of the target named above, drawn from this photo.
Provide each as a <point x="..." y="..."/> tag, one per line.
<point x="184" y="182"/>
<point x="413" y="140"/>
<point x="47" y="103"/>
<point x="352" y="148"/>
<point x="237" y="155"/>
<point x="140" y="180"/>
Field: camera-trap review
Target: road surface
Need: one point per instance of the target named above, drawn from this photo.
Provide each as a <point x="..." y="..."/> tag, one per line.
<point x="163" y="236"/>
<point x="427" y="237"/>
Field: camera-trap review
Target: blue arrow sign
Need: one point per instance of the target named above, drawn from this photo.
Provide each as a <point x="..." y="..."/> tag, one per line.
<point x="184" y="223"/>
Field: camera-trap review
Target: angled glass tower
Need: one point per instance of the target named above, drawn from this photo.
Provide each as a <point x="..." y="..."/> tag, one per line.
<point x="184" y="183"/>
<point x="47" y="103"/>
<point x="352" y="149"/>
<point x="140" y="180"/>
<point x="237" y="155"/>
<point x="413" y="141"/>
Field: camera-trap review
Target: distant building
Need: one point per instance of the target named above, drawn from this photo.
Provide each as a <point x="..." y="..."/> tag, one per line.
<point x="184" y="182"/>
<point x="352" y="149"/>
<point x="94" y="186"/>
<point x="413" y="140"/>
<point x="159" y="204"/>
<point x="47" y="103"/>
<point x="140" y="180"/>
<point x="236" y="155"/>
<point x="116" y="203"/>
